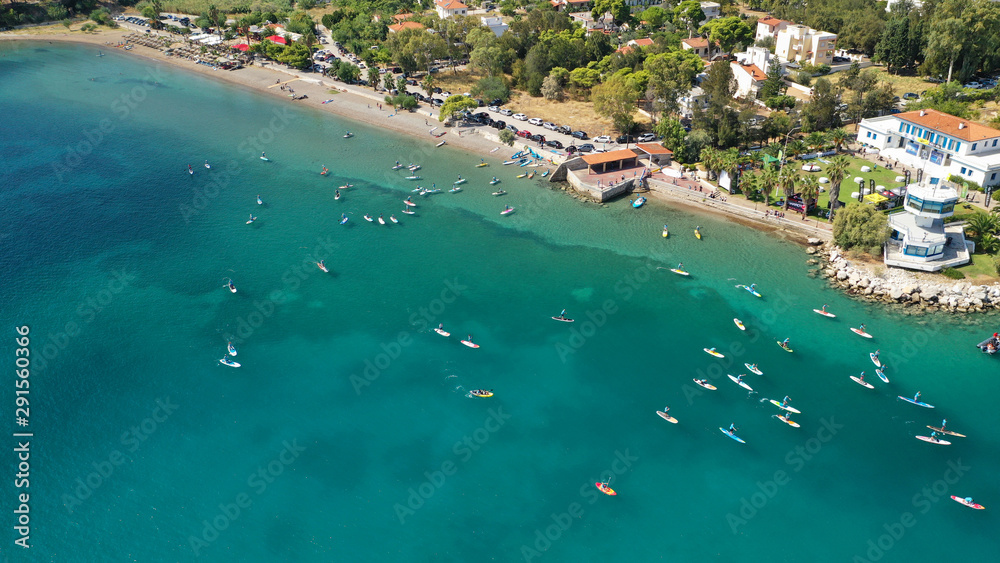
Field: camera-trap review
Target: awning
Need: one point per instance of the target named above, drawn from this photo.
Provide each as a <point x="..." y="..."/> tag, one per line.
<point x="876" y="198"/>
<point x="277" y="39"/>
<point x="242" y="47"/>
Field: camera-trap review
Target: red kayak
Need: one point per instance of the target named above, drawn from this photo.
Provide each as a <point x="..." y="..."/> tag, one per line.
<point x="604" y="488"/>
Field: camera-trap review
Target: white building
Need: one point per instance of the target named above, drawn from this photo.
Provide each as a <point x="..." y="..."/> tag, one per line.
<point x="749" y="78"/>
<point x="802" y="44"/>
<point x="712" y="11"/>
<point x="590" y="25"/>
<point x="570" y="5"/>
<point x="496" y="25"/>
<point x="701" y="47"/>
<point x="450" y="8"/>
<point x="939" y="144"/>
<point x="920" y="239"/>
<point x="769" y="27"/>
<point x="692" y="102"/>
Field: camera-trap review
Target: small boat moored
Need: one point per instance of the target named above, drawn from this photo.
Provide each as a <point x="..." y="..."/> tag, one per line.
<point x="638" y="202"/>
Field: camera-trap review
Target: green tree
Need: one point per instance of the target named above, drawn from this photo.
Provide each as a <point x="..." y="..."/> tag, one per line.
<point x="836" y="171"/>
<point x="773" y="85"/>
<point x="670" y="75"/>
<point x="861" y="226"/>
<point x="455" y="104"/>
<point x="838" y="137"/>
<point x="820" y="113"/>
<point x="673" y="134"/>
<point x="348" y="73"/>
<point x="618" y="9"/>
<point x="507" y="137"/>
<point x="654" y="16"/>
<point x="582" y="80"/>
<point x="688" y="15"/>
<point x="615" y="100"/>
<point x="491" y="88"/>
<point x="980" y="225"/>
<point x="945" y="42"/>
<point x="296" y="55"/>
<point x="788" y="177"/>
<point x="728" y="33"/>
<point x="428" y="84"/>
<point x="809" y="190"/>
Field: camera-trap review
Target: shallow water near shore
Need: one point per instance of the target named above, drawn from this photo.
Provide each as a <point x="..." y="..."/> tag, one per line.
<point x="348" y="434"/>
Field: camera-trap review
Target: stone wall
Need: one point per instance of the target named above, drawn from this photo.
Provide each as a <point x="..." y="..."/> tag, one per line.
<point x="893" y="285"/>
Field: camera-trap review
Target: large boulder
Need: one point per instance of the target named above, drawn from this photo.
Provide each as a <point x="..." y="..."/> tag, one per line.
<point x="814" y="241"/>
<point x="842" y="275"/>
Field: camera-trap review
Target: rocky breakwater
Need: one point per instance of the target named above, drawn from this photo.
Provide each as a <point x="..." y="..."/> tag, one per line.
<point x="913" y="290"/>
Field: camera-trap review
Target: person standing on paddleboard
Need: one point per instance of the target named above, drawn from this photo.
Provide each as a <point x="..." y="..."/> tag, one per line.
<point x="944" y="424"/>
<point x="916" y="398"/>
<point x="824" y="308"/>
<point x="784" y="402"/>
<point x="784" y="343"/>
<point x="861" y="377"/>
<point x="732" y="428"/>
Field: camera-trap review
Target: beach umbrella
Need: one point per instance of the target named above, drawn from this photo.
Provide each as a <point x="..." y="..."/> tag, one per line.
<point x="242" y="47"/>
<point x="277" y="39"/>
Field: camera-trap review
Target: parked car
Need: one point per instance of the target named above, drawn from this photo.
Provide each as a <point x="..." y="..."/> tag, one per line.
<point x="524" y="133"/>
<point x="646" y="138"/>
<point x="535" y="121"/>
<point x="602" y="139"/>
<point x="571" y="149"/>
<point x="580" y="135"/>
<point x="625" y="139"/>
<point x="537" y="138"/>
<point x="586" y="147"/>
<point x="554" y="144"/>
<point x="500" y="124"/>
<point x="493" y="108"/>
<point x="505" y="111"/>
<point x="511" y="128"/>
<point x="974" y="85"/>
<point x="910" y="96"/>
<point x="566" y="129"/>
<point x="550" y="126"/>
<point x="520" y="116"/>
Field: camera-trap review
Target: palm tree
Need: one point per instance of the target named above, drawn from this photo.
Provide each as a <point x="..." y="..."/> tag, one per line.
<point x="428" y="84"/>
<point x="795" y="148"/>
<point x="766" y="182"/>
<point x="711" y="158"/>
<point x="816" y="139"/>
<point x="749" y="184"/>
<point x="787" y="179"/>
<point x="836" y="171"/>
<point x="838" y="137"/>
<point x="981" y="224"/>
<point x="810" y="191"/>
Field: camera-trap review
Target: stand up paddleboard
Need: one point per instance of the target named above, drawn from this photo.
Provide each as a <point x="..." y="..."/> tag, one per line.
<point x="783" y="347"/>
<point x="918" y="403"/>
<point x="227" y="362"/>
<point x="232" y="349"/>
<point x="714" y="353"/>
<point x="604" y="488"/>
<point x="679" y="272"/>
<point x="739" y="324"/>
<point x="751" y="291"/>
<point x="265" y="159"/>
<point x="860" y="332"/>
<point x="930" y="440"/>
<point x="562" y="319"/>
<point x="731" y="435"/>
<point x="409" y="203"/>
<point x="442" y="332"/>
<point x="470" y="344"/>
<point x="862" y="383"/>
<point x="753" y="369"/>
<point x="784" y="419"/>
<point x="948" y="432"/>
<point x="740" y="383"/>
<point x="708" y="386"/>
<point x="824" y="313"/>
<point x="975" y="505"/>
<point x="787" y="408"/>
<point x="666" y="417"/>
<point x="881" y="375"/>
<point x="875" y="360"/>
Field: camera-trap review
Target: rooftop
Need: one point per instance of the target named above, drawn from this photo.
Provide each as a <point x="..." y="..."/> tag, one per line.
<point x="949" y="125"/>
<point x="451" y="4"/>
<point x="405" y="25"/>
<point x="653" y="148"/>
<point x="612" y="156"/>
<point x="695" y="42"/>
<point x="770" y="21"/>
<point x="754" y="71"/>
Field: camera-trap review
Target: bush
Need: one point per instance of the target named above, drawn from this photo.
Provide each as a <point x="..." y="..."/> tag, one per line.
<point x="860" y="226"/>
<point x="996" y="195"/>
<point x="803" y="78"/>
<point x="780" y="102"/>
<point x="103" y="17"/>
<point x="952" y="273"/>
<point x="996" y="266"/>
<point x="507" y="137"/>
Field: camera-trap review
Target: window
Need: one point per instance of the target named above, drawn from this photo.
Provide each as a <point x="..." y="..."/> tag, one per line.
<point x="963" y="170"/>
<point x="958" y="146"/>
<point x="994" y="142"/>
<point x="993" y="176"/>
<point x="974" y="146"/>
<point x="874" y="136"/>
<point x="901" y="126"/>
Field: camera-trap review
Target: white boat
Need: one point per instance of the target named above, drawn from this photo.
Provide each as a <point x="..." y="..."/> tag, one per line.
<point x="207" y="165"/>
<point x="348" y="135"/>
<point x="442" y="143"/>
<point x="494" y="181"/>
<point x="343" y="219"/>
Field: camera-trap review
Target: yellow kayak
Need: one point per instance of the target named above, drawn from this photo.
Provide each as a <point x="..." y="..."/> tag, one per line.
<point x="525" y="175"/>
<point x="697" y="233"/>
<point x="666" y="233"/>
<point x="481" y="164"/>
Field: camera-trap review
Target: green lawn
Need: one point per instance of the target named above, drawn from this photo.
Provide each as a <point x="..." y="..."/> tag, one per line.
<point x="982" y="265"/>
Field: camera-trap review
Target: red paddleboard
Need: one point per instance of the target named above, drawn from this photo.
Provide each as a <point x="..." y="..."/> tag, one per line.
<point x="860" y="332"/>
<point x="824" y="313"/>
<point x="975" y="505"/>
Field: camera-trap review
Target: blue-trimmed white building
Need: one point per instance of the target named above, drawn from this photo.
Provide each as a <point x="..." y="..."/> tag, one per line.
<point x="940" y="144"/>
<point x="920" y="238"/>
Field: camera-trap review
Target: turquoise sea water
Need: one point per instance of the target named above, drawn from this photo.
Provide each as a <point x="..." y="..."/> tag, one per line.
<point x="348" y="434"/>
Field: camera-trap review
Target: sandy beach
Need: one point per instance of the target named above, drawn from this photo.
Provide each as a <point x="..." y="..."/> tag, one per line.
<point x="362" y="104"/>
